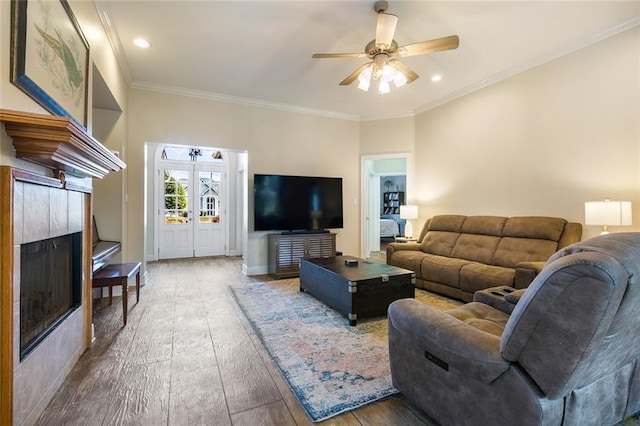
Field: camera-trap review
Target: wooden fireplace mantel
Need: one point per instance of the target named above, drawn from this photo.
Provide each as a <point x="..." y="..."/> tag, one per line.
<point x="58" y="143"/>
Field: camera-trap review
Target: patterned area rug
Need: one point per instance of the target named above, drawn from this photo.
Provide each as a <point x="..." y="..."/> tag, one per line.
<point x="330" y="366"/>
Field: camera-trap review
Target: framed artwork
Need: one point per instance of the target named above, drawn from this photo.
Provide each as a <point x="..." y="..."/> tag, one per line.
<point x="50" y="57"/>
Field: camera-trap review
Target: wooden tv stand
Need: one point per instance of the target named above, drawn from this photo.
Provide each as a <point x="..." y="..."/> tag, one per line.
<point x="286" y="250"/>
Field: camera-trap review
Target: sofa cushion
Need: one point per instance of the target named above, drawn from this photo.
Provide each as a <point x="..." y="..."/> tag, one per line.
<point x="477" y="276"/>
<point x="482" y="317"/>
<point x="544" y="228"/>
<point x="439" y="242"/>
<point x="442" y="269"/>
<point x="447" y="222"/>
<point x="511" y="251"/>
<point x="484" y="225"/>
<point x="479" y="248"/>
<point x="424" y="230"/>
<point x="408" y="259"/>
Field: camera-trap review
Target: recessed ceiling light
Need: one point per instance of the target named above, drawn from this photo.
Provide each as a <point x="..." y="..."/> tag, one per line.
<point x="140" y="42"/>
<point x="436" y="77"/>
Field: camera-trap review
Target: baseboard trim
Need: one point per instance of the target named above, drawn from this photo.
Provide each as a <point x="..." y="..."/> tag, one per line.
<point x="255" y="270"/>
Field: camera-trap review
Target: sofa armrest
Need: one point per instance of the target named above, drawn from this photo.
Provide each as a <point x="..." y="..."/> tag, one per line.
<point x="498" y="298"/>
<point x="526" y="272"/>
<point x="515" y="296"/>
<point x="394" y="247"/>
<point x="452" y="341"/>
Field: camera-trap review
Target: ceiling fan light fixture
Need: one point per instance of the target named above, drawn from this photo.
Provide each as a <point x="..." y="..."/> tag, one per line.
<point x="383" y="50"/>
<point x="384" y="74"/>
<point x="363" y="85"/>
<point x="383" y="87"/>
<point x="400" y="79"/>
<point x="364" y="79"/>
<point x="377" y="71"/>
<point x="388" y="73"/>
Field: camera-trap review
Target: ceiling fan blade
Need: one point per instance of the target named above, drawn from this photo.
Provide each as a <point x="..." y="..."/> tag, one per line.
<point x="354" y="75"/>
<point x="435" y="45"/>
<point x="409" y="73"/>
<point x="385" y="29"/>
<point x="339" y="55"/>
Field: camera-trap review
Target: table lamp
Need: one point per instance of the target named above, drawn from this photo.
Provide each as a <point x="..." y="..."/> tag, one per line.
<point x="408" y="212"/>
<point x="607" y="213"/>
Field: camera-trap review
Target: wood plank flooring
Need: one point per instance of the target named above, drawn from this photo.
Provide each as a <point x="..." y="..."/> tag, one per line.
<point x="188" y="356"/>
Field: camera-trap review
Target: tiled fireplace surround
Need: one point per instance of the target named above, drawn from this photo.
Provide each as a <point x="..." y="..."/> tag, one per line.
<point x="40" y="212"/>
<point x="33" y="207"/>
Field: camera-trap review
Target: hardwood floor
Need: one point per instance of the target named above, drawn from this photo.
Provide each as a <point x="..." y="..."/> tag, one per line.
<point x="189" y="357"/>
<point x="380" y="256"/>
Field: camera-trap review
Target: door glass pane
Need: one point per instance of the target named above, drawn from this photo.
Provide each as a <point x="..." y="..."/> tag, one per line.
<point x="176" y="197"/>
<point x="184" y="153"/>
<point x="209" y="196"/>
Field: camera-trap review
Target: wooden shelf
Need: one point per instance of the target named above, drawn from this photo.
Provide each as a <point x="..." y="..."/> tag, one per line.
<point x="58" y="143"/>
<point x="391" y="202"/>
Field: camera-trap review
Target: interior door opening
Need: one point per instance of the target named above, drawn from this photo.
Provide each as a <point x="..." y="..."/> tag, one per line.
<point x="376" y="171"/>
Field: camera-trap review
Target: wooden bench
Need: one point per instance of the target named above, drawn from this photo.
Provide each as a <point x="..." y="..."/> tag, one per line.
<point x="115" y="275"/>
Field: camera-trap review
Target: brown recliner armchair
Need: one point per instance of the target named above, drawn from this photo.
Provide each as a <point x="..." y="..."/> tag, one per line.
<point x="569" y="354"/>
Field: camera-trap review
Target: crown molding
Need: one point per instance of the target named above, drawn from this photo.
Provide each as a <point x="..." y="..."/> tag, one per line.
<point x="387" y="116"/>
<point x="114" y="39"/>
<point x="200" y="94"/>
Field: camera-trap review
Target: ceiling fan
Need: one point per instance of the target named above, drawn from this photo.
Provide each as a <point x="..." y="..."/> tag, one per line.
<point x="383" y="48"/>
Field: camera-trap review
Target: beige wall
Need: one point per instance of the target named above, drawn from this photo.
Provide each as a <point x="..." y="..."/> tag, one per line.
<point x="102" y="57"/>
<point x="387" y="138"/>
<point x="390" y="136"/>
<point x="540" y="143"/>
<point x="276" y="142"/>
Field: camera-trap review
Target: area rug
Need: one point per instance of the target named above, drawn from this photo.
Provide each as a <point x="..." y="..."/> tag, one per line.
<point x="330" y="366"/>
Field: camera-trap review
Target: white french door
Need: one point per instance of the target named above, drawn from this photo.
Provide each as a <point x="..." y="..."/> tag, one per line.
<point x="209" y="226"/>
<point x="191" y="213"/>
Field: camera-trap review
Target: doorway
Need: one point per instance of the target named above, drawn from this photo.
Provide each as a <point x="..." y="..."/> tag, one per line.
<point x="373" y="168"/>
<point x="191" y="217"/>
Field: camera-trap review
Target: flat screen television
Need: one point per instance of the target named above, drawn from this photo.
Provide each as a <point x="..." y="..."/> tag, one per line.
<point x="297" y="203"/>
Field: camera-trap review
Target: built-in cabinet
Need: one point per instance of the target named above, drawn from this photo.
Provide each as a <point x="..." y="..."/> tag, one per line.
<point x="285" y="251"/>
<point x="391" y="202"/>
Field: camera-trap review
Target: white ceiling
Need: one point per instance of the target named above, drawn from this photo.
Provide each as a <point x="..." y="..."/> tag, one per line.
<point x="259" y="52"/>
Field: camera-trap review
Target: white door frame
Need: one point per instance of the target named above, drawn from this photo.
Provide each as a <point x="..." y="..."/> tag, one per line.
<point x="158" y="163"/>
<point x="368" y="200"/>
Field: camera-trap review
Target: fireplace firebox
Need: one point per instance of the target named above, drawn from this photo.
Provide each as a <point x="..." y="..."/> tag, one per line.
<point x="50" y="286"/>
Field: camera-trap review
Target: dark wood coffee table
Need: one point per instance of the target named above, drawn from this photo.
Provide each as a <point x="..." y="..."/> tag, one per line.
<point x="360" y="291"/>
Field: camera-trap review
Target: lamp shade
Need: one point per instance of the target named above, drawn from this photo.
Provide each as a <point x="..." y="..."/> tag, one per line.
<point x="409" y="211"/>
<point x="607" y="213"/>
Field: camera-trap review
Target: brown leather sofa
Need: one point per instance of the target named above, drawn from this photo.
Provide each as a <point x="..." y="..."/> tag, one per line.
<point x="458" y="255"/>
